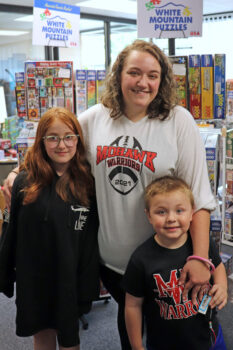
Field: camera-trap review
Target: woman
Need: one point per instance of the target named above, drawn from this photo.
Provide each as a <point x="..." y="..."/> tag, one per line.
<point x="135" y="135"/>
<point x="51" y="240"/>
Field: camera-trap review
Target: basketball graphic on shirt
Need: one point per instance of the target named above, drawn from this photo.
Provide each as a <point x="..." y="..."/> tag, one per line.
<point x="123" y="165"/>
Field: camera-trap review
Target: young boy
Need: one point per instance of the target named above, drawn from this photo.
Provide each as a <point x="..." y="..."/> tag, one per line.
<point x="151" y="278"/>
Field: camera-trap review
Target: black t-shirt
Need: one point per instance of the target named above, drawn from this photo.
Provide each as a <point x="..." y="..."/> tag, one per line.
<point x="152" y="273"/>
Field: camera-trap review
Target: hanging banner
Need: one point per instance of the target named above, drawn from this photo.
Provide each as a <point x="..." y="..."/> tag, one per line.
<point x="166" y="19"/>
<point x="55" y="24"/>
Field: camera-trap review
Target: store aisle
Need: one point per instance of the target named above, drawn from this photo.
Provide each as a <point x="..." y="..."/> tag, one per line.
<point x="102" y="331"/>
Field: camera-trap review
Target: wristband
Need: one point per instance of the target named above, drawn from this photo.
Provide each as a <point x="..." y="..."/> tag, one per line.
<point x="207" y="261"/>
<point x="13" y="171"/>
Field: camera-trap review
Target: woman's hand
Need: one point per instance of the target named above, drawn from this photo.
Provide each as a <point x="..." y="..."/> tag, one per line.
<point x="194" y="274"/>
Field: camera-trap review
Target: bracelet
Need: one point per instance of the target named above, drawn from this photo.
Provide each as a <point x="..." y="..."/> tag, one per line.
<point x="13" y="171"/>
<point x="207" y="261"/>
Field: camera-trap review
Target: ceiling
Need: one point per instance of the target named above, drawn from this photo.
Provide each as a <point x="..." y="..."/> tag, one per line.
<point x="129" y="7"/>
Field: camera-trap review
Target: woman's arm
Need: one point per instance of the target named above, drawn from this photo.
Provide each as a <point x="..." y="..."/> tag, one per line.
<point x="192" y="167"/>
<point x="8" y="184"/>
<point x="196" y="272"/>
<point x="133" y="319"/>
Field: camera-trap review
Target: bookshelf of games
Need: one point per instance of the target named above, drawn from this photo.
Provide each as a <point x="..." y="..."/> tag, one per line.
<point x="224" y="187"/>
<point x="202" y="88"/>
<point x="227" y="183"/>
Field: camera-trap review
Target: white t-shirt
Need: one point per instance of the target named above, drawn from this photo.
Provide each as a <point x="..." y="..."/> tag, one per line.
<point x="125" y="157"/>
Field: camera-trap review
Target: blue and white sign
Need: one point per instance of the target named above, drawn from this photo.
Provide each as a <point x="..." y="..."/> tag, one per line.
<point x="166" y="19"/>
<point x="55" y="24"/>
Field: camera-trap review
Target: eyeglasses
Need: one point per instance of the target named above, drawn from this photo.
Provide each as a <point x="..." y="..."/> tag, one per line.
<point x="54" y="140"/>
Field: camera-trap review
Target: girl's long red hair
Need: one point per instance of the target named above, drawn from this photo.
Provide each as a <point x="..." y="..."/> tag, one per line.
<point x="77" y="180"/>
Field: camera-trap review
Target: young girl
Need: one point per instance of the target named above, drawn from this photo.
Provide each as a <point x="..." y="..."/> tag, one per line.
<point x="50" y="245"/>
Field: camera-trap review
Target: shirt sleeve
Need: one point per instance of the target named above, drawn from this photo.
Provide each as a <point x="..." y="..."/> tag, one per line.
<point x="133" y="281"/>
<point x="191" y="163"/>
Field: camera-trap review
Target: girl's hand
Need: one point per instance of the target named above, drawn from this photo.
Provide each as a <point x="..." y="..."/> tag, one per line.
<point x="219" y="296"/>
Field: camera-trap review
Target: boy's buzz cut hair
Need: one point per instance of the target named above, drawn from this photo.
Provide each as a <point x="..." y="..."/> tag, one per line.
<point x="167" y="184"/>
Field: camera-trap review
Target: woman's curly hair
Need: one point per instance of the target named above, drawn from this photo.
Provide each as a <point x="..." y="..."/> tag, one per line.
<point x="164" y="101"/>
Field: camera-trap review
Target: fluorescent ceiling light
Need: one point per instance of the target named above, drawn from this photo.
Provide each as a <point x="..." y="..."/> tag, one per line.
<point x="28" y="18"/>
<point x="124" y="6"/>
<point x="12" y="32"/>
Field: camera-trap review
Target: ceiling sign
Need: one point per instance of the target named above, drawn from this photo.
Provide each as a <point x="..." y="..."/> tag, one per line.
<point x="169" y="19"/>
<point x="55" y="24"/>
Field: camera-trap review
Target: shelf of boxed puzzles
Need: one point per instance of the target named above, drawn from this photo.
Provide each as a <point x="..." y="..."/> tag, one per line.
<point x="218" y="140"/>
<point x="227" y="197"/>
<point x="217" y="136"/>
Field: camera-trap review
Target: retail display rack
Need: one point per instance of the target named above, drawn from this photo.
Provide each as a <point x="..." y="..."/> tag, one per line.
<point x="202" y="88"/>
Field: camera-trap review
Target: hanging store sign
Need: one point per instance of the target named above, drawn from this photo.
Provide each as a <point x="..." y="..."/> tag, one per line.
<point x="169" y="19"/>
<point x="55" y="24"/>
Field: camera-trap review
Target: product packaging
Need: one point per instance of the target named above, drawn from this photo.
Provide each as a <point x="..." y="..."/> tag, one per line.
<point x="229" y="143"/>
<point x="100" y="84"/>
<point x="227" y="262"/>
<point x="219" y="85"/>
<point x="91" y="88"/>
<point x="180" y="70"/>
<point x="20" y="94"/>
<point x="229" y="99"/>
<point x="81" y="90"/>
<point x="215" y="232"/>
<point x="229" y="223"/>
<point x="229" y="176"/>
<point x="5" y="144"/>
<point x="207" y="87"/>
<point x="194" y="78"/>
<point x="212" y="149"/>
<point x="26" y="138"/>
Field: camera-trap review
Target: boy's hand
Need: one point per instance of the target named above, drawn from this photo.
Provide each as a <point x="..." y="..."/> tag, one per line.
<point x="193" y="275"/>
<point x="219" y="296"/>
<point x="7" y="188"/>
<point x="204" y="289"/>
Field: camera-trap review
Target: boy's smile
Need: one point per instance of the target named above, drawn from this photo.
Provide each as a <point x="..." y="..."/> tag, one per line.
<point x="170" y="215"/>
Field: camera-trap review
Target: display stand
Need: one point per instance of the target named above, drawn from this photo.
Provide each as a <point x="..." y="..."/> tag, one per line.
<point x="227" y="238"/>
<point x="223" y="211"/>
<point x="48" y="84"/>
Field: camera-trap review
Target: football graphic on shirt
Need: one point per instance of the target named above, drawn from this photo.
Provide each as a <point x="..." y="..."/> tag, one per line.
<point x="123" y="164"/>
